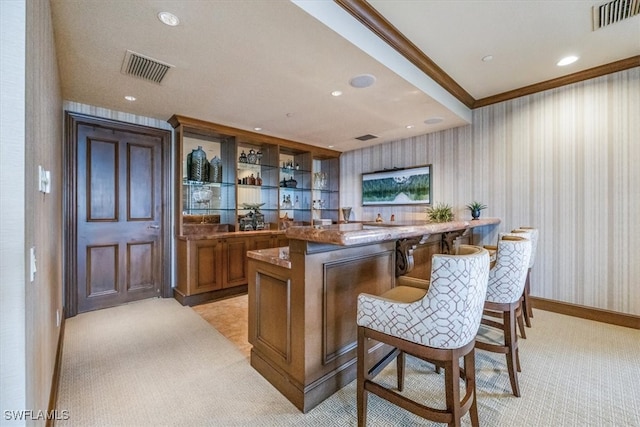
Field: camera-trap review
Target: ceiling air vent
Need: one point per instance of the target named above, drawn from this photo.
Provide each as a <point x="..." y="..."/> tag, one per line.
<point x="144" y="67"/>
<point x="366" y="137"/>
<point x="614" y="11"/>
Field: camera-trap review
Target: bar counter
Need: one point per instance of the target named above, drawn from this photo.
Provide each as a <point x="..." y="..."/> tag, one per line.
<point x="303" y="299"/>
<point x="372" y="232"/>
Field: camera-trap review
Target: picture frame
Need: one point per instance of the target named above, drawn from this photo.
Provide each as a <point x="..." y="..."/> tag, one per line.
<point x="406" y="186"/>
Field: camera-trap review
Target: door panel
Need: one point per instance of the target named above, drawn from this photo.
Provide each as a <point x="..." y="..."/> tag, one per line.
<point x="119" y="212"/>
<point x="102" y="178"/>
<point x="141" y="255"/>
<point x="102" y="266"/>
<point x="236" y="262"/>
<point x="140" y="179"/>
<point x="208" y="267"/>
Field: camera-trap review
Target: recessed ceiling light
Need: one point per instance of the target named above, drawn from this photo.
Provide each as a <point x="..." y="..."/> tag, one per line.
<point x="362" y="81"/>
<point x="409" y="126"/>
<point x="168" y="18"/>
<point x="130" y="98"/>
<point x="336" y="93"/>
<point x="330" y="146"/>
<point x="257" y="129"/>
<point x="434" y="120"/>
<point x="487" y="58"/>
<point x="567" y="60"/>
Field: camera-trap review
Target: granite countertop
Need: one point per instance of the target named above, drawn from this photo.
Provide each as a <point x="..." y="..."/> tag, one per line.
<point x="224" y="234"/>
<point x="363" y="233"/>
<point x="275" y="256"/>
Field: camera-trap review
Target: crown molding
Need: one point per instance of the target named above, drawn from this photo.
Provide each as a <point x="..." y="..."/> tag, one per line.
<point x="375" y="22"/>
<point x="579" y="76"/>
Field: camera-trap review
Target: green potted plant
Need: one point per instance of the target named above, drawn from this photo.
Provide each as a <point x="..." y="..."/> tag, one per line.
<point x="441" y="212"/>
<point x="475" y="209"/>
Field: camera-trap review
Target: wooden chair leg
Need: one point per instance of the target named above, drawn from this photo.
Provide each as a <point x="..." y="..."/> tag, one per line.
<point x="526" y="304"/>
<point x="520" y="317"/>
<point x="361" y="394"/>
<point x="510" y="338"/>
<point x="452" y="390"/>
<point x="470" y="384"/>
<point x="400" y="368"/>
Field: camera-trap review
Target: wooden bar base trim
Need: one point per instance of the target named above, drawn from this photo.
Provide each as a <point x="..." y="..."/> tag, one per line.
<point x="55" y="381"/>
<point x="304" y="398"/>
<point x="196" y="299"/>
<point x="590" y="313"/>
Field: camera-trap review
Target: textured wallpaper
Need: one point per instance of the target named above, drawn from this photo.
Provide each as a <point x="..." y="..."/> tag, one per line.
<point x="43" y="215"/>
<point x="565" y="161"/>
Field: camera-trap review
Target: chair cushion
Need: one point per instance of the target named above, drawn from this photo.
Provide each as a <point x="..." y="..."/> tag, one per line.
<point x="413" y="282"/>
<point x="404" y="294"/>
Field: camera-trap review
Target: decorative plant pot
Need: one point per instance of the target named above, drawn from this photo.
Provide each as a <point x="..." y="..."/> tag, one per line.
<point x="475" y="214"/>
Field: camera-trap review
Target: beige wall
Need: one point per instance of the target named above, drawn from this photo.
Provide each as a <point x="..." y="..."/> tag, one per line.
<point x="565" y="161"/>
<point x="43" y="214"/>
<point x="31" y="136"/>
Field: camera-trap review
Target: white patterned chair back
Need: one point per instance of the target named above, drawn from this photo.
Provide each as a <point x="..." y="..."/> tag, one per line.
<point x="531" y="234"/>
<point x="509" y="274"/>
<point x="448" y="316"/>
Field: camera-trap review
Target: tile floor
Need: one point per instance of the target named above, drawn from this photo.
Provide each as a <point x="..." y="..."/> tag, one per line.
<point x="230" y="317"/>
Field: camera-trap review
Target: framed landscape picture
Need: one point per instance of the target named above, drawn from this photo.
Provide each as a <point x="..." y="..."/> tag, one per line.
<point x="410" y="186"/>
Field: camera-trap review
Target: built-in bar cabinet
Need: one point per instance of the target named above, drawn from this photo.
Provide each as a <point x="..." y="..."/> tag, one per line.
<point x="236" y="191"/>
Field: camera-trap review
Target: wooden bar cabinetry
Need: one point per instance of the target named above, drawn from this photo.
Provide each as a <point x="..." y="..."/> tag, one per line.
<point x="242" y="197"/>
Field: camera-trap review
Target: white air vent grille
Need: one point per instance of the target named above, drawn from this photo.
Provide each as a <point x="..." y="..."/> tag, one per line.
<point x="614" y="11"/>
<point x="144" y="67"/>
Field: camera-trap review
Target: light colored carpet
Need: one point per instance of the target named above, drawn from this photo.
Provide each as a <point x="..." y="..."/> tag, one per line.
<point x="156" y="363"/>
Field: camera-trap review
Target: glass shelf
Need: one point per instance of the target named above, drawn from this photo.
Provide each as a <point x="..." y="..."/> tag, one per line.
<point x="224" y="201"/>
<point x="206" y="184"/>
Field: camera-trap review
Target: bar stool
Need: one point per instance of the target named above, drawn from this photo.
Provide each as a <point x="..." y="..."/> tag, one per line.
<point x="504" y="294"/>
<point x="526" y="306"/>
<point x="438" y="325"/>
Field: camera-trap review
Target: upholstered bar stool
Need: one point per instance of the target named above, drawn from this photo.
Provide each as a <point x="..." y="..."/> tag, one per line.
<point x="520" y="310"/>
<point x="504" y="295"/>
<point x="438" y="325"/>
<point x="526" y="305"/>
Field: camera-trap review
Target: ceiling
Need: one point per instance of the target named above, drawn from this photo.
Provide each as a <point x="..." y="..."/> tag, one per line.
<point x="273" y="64"/>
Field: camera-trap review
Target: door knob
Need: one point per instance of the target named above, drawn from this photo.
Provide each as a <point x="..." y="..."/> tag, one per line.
<point x="155" y="227"/>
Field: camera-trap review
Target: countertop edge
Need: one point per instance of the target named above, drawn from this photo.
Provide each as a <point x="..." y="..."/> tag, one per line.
<point x="274" y="256"/>
<point x="223" y="234"/>
<point x="362" y="233"/>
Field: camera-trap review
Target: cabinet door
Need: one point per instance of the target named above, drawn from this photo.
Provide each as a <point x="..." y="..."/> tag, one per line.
<point x="235" y="261"/>
<point x="261" y="242"/>
<point x="207" y="274"/>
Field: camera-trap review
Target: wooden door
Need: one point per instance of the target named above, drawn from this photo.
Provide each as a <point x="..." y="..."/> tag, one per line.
<point x="119" y="217"/>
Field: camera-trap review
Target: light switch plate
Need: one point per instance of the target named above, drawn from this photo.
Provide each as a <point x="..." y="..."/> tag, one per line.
<point x="47" y="182"/>
<point x="32" y="263"/>
<point x="44" y="180"/>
